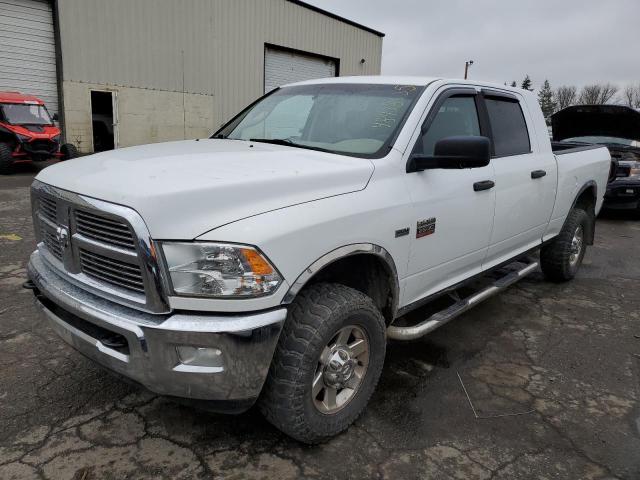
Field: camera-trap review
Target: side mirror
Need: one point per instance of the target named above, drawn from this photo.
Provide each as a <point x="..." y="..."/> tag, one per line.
<point x="55" y="117"/>
<point x="454" y="152"/>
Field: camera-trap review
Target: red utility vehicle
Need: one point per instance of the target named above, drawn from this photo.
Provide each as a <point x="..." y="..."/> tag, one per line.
<point x="27" y="132"/>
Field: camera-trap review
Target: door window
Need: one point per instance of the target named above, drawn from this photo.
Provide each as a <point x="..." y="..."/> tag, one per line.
<point x="509" y="128"/>
<point x="457" y="116"/>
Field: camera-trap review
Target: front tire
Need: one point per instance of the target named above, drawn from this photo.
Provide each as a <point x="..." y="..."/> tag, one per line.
<point x="6" y="159"/>
<point x="327" y="363"/>
<point x="561" y="258"/>
<point x="69" y="151"/>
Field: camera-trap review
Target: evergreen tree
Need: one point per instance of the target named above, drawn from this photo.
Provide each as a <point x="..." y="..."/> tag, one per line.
<point x="546" y="99"/>
<point x="527" y="84"/>
<point x="514" y="84"/>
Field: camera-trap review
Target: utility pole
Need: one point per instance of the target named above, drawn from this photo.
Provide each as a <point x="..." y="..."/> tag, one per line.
<point x="466" y="68"/>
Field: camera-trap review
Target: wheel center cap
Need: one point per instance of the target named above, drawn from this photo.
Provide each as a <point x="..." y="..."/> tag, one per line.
<point x="339" y="368"/>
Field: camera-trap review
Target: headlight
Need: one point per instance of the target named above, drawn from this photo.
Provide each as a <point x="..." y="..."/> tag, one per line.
<point x="634" y="171"/>
<point x="23" y="138"/>
<point x="219" y="270"/>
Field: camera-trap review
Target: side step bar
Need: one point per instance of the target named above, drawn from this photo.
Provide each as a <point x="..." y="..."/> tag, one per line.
<point x="440" y="318"/>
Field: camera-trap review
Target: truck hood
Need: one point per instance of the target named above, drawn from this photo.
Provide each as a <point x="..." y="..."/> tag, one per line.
<point x="596" y="120"/>
<point x="184" y="189"/>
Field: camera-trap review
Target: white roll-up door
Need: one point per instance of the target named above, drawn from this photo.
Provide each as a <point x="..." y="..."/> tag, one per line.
<point x="27" y="50"/>
<point x="282" y="67"/>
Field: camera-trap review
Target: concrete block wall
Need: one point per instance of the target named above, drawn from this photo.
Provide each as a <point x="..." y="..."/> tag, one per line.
<point x="143" y="115"/>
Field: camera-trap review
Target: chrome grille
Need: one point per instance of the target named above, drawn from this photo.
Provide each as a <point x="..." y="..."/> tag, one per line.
<point x="109" y="270"/>
<point x="51" y="242"/>
<point x="104" y="229"/>
<point x="99" y="246"/>
<point x="48" y="208"/>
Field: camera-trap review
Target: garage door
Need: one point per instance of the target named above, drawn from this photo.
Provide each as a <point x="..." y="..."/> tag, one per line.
<point x="282" y="67"/>
<point x="27" y="50"/>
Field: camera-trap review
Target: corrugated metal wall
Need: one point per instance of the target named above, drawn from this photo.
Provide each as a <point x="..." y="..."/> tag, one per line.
<point x="27" y="50"/>
<point x="211" y="47"/>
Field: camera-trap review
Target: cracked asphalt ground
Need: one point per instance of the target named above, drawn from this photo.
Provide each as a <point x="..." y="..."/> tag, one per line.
<point x="566" y="358"/>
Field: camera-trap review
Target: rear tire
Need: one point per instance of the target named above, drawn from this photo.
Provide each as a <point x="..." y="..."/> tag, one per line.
<point x="6" y="159"/>
<point x="68" y="151"/>
<point x="561" y="258"/>
<point x="317" y="354"/>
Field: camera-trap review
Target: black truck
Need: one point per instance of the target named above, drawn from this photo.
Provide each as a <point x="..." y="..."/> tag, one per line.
<point x="618" y="128"/>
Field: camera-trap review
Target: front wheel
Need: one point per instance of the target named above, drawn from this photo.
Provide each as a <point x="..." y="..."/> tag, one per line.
<point x="327" y="363"/>
<point x="6" y="159"/>
<point x="561" y="258"/>
<point x="68" y="151"/>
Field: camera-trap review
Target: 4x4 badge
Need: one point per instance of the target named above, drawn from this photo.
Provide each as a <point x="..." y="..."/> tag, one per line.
<point x="425" y="227"/>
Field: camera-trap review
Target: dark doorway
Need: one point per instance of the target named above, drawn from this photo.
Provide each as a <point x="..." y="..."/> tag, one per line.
<point x="102" y="120"/>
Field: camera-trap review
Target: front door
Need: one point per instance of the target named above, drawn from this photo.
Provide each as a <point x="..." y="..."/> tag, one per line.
<point x="452" y="221"/>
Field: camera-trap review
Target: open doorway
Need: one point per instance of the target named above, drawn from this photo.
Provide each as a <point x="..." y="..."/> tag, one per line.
<point x="102" y="120"/>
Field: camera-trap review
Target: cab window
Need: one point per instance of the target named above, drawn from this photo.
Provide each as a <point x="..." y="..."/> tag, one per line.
<point x="508" y="126"/>
<point x="457" y="116"/>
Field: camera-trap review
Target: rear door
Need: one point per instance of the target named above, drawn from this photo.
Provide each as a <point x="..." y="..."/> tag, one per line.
<point x="451" y="220"/>
<point x="525" y="178"/>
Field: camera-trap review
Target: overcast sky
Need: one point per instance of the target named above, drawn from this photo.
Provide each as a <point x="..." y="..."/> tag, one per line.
<point x="567" y="41"/>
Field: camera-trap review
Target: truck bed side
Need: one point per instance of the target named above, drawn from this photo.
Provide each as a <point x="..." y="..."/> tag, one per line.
<point x="579" y="167"/>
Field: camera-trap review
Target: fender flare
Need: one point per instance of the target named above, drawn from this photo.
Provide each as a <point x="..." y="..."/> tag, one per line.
<point x="344" y="252"/>
<point x="588" y="184"/>
<point x="592" y="231"/>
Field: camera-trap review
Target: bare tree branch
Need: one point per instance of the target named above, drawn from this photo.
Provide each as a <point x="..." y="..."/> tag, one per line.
<point x="597" y="94"/>
<point x="589" y="95"/>
<point x="629" y="95"/>
<point x="607" y="92"/>
<point x="565" y="96"/>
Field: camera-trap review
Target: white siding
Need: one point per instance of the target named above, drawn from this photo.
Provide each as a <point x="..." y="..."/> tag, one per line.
<point x="282" y="67"/>
<point x="27" y="50"/>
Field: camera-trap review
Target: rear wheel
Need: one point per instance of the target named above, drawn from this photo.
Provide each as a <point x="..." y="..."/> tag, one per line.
<point x="6" y="159"/>
<point x="561" y="258"/>
<point x="68" y="151"/>
<point x="327" y="363"/>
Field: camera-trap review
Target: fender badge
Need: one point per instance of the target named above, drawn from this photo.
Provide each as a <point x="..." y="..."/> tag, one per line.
<point x="425" y="227"/>
<point x="402" y="232"/>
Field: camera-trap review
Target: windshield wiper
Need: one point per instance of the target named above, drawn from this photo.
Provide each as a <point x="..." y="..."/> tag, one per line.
<point x="276" y="141"/>
<point x="288" y="143"/>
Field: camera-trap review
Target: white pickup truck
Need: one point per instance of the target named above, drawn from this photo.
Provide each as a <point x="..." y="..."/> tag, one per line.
<point x="271" y="262"/>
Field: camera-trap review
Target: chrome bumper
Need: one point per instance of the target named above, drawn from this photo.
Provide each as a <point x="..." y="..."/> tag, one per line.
<point x="245" y="343"/>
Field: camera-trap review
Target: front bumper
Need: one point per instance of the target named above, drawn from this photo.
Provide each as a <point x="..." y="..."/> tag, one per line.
<point x="142" y="346"/>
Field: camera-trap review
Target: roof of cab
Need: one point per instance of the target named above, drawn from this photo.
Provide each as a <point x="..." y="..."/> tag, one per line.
<point x="405" y="80"/>
<point x="17" y="97"/>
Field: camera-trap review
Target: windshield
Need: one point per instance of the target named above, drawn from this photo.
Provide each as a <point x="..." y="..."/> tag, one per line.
<point x="599" y="139"/>
<point x="353" y="119"/>
<point x="25" y="114"/>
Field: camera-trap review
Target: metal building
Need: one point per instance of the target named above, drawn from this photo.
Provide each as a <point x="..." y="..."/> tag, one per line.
<point x="127" y="72"/>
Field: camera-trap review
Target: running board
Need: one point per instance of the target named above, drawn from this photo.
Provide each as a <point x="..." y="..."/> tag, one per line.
<point x="440" y="318"/>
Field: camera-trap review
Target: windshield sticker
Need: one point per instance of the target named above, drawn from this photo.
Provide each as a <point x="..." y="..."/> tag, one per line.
<point x="391" y="110"/>
<point x="405" y="90"/>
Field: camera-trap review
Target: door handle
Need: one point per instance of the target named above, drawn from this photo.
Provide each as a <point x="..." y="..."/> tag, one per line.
<point x="538" y="174"/>
<point x="483" y="185"/>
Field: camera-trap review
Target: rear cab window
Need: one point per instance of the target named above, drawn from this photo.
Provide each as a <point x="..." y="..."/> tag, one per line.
<point x="508" y="126"/>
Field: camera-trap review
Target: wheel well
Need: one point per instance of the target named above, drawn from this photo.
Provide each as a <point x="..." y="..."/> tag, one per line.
<point x="587" y="201"/>
<point x="366" y="273"/>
